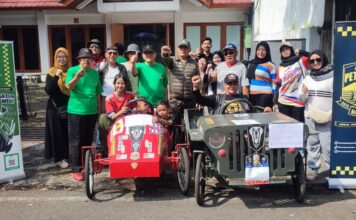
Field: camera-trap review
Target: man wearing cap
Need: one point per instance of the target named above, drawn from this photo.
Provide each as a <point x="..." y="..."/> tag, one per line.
<point x="95" y="47"/>
<point x="85" y="87"/>
<point x="132" y="53"/>
<point x="182" y="69"/>
<point x="152" y="77"/>
<point x="217" y="101"/>
<point x="230" y="65"/>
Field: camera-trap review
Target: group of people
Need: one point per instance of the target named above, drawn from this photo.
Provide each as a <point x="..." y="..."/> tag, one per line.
<point x="301" y="87"/>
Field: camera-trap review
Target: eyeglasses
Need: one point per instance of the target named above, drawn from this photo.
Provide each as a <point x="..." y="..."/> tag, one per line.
<point x="318" y="60"/>
<point x="112" y="53"/>
<point x="229" y="53"/>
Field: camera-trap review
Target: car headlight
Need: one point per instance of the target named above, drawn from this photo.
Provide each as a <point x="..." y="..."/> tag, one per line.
<point x="216" y="139"/>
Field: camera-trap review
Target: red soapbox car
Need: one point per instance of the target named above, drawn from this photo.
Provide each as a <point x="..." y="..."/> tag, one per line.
<point x="138" y="148"/>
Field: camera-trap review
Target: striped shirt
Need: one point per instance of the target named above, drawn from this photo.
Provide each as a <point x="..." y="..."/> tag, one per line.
<point x="265" y="79"/>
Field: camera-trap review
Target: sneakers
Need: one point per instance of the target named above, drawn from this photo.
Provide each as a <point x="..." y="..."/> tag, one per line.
<point x="63" y="164"/>
<point x="78" y="176"/>
<point x="312" y="175"/>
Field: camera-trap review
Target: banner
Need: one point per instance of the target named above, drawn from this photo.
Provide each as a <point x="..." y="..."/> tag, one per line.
<point x="343" y="136"/>
<point x="11" y="165"/>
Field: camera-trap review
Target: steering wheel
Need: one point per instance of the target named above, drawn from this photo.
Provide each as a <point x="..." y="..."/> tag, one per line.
<point x="237" y="106"/>
<point x="131" y="102"/>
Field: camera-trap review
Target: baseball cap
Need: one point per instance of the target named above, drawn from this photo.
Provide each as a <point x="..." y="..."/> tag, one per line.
<point x="184" y="43"/>
<point x="111" y="48"/>
<point x="133" y="48"/>
<point x="230" y="46"/>
<point x="231" y="78"/>
<point x="148" y="48"/>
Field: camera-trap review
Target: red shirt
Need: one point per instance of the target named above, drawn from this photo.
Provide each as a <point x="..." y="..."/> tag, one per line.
<point x="114" y="104"/>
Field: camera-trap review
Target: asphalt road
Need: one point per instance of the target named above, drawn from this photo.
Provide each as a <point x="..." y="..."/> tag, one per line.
<point x="162" y="201"/>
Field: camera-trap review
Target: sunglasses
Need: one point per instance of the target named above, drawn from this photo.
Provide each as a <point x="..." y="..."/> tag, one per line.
<point x="229" y="53"/>
<point x="112" y="53"/>
<point x="318" y="60"/>
<point x="94" y="46"/>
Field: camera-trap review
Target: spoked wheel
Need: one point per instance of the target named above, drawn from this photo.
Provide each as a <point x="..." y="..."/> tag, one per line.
<point x="199" y="182"/>
<point x="89" y="174"/>
<point x="299" y="179"/>
<point x="183" y="171"/>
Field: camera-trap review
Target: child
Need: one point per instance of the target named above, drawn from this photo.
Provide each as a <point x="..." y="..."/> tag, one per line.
<point x="115" y="105"/>
<point x="142" y="107"/>
<point x="163" y="115"/>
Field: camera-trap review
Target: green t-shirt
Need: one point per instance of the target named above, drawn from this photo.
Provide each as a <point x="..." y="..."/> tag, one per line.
<point x="83" y="98"/>
<point x="120" y="59"/>
<point x="152" y="81"/>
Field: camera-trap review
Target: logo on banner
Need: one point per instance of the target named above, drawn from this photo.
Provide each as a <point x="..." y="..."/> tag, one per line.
<point x="256" y="137"/>
<point x="348" y="96"/>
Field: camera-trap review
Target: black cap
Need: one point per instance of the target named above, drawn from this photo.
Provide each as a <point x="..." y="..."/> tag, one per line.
<point x="148" y="48"/>
<point x="84" y="52"/>
<point x="231" y="78"/>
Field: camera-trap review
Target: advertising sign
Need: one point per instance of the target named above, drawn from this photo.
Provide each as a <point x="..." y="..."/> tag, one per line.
<point x="343" y="136"/>
<point x="11" y="165"/>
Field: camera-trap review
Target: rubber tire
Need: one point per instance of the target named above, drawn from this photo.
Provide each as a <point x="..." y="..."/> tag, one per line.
<point x="199" y="182"/>
<point x="183" y="171"/>
<point x="89" y="174"/>
<point x="299" y="179"/>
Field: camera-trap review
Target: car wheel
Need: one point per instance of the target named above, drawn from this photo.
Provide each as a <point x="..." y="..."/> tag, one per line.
<point x="89" y="174"/>
<point x="299" y="179"/>
<point x="199" y="182"/>
<point x="183" y="171"/>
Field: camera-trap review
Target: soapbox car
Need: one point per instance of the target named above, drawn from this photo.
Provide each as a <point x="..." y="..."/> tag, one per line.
<point x="246" y="148"/>
<point x="138" y="148"/>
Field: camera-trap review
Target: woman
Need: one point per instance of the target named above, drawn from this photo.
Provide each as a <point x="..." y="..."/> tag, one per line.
<point x="202" y="64"/>
<point x="56" y="134"/>
<point x="218" y="57"/>
<point x="317" y="93"/>
<point x="115" y="105"/>
<point x="262" y="74"/>
<point x="290" y="75"/>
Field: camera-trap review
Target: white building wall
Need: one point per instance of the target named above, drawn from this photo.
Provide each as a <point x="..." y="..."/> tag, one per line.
<point x="276" y="20"/>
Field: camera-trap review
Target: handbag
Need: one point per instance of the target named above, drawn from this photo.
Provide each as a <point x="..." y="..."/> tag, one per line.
<point x="317" y="115"/>
<point x="61" y="111"/>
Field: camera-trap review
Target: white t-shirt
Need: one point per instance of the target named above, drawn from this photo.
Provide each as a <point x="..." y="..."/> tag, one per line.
<point x="238" y="69"/>
<point x="108" y="81"/>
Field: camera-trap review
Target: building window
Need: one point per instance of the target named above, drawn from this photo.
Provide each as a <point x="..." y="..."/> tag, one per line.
<point x="220" y="33"/>
<point x="74" y="37"/>
<point x="26" y="47"/>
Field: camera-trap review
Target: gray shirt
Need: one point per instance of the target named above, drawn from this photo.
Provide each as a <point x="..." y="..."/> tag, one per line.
<point x="238" y="69"/>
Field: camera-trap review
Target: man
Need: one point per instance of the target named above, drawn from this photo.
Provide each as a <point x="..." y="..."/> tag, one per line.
<point x="182" y="69"/>
<point x="132" y="53"/>
<point x="206" y="45"/>
<point x="95" y="47"/>
<point x="230" y="65"/>
<point x="107" y="71"/>
<point x="85" y="87"/>
<point x="217" y="101"/>
<point x="152" y="77"/>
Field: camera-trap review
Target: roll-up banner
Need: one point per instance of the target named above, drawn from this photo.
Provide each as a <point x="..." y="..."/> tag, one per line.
<point x="11" y="164"/>
<point x="343" y="136"/>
